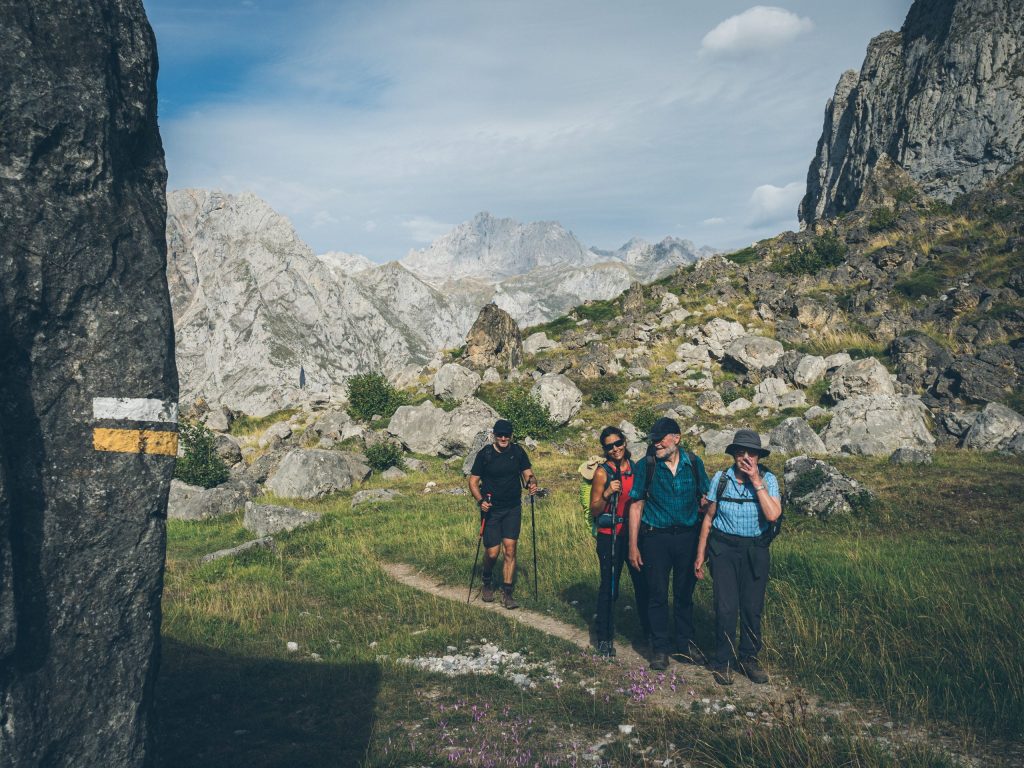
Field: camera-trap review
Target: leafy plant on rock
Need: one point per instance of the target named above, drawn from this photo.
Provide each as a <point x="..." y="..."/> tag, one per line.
<point x="200" y="464"/>
<point x="370" y="394"/>
<point x="384" y="455"/>
<point x="528" y="415"/>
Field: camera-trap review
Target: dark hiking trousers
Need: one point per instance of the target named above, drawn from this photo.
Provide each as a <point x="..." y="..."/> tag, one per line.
<point x="604" y="597"/>
<point x="739" y="573"/>
<point x="665" y="552"/>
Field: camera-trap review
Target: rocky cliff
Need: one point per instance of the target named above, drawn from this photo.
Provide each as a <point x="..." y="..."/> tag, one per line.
<point x="943" y="97"/>
<point x="88" y="390"/>
<point x="253" y="304"/>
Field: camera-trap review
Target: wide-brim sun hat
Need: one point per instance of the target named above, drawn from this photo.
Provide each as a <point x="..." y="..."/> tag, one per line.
<point x="747" y="438"/>
<point x="589" y="467"/>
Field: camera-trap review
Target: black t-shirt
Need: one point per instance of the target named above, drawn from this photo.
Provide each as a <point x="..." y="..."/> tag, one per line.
<point x="501" y="474"/>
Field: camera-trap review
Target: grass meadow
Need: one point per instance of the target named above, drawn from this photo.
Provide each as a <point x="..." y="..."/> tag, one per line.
<point x="912" y="610"/>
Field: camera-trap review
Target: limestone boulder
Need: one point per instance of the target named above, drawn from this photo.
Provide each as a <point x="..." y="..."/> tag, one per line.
<point x="814" y="487"/>
<point x="809" y="370"/>
<point x="538" y="342"/>
<point x="716" y="441"/>
<point x="716" y="334"/>
<point x="858" y="378"/>
<point x="494" y="340"/>
<point x="795" y="437"/>
<point x="994" y="429"/>
<point x="710" y="402"/>
<point x="562" y="398"/>
<point x="421" y="428"/>
<point x="752" y="353"/>
<point x="373" y="496"/>
<point x="877" y="425"/>
<point x="768" y="392"/>
<point x="455" y="382"/>
<point x="463" y="424"/>
<point x="314" y="473"/>
<point x="911" y="456"/>
<point x="219" y="419"/>
<point x="481" y="439"/>
<point x="189" y="502"/>
<point x="268" y="519"/>
<point x="836" y="360"/>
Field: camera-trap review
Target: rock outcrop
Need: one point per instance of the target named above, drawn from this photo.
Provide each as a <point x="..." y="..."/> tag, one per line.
<point x="494" y="340"/>
<point x="88" y="388"/>
<point x="943" y="98"/>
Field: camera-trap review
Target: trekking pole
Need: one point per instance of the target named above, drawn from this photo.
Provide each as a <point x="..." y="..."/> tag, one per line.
<point x="611" y="597"/>
<point x="533" y="528"/>
<point x="479" y="541"/>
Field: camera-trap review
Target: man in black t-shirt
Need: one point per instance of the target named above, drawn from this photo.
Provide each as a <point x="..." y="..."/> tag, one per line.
<point x="499" y="472"/>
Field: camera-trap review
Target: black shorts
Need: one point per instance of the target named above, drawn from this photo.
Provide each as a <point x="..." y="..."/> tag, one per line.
<point x="502" y="524"/>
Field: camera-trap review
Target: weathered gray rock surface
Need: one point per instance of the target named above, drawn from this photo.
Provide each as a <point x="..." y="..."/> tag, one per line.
<point x="794" y="436"/>
<point x="943" y="98"/>
<point x="814" y="487"/>
<point x="877" y="425"/>
<point x="425" y="428"/>
<point x="994" y="429"/>
<point x="84" y="315"/>
<point x="752" y="353"/>
<point x="189" y="502"/>
<point x="494" y="340"/>
<point x="313" y="473"/>
<point x="265" y="542"/>
<point x="267" y="519"/>
<point x="455" y="382"/>
<point x="860" y="377"/>
<point x="562" y="398"/>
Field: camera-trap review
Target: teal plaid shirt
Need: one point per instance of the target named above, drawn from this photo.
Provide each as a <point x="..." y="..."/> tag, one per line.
<point x="671" y="499"/>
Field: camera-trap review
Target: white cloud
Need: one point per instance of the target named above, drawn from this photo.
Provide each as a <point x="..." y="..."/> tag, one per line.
<point x="424" y="229"/>
<point x="771" y="204"/>
<point x="714" y="221"/>
<point x="370" y="226"/>
<point x="756" y="28"/>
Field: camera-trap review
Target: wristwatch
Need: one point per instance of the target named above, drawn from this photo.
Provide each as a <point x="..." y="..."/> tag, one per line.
<point x="759" y="487"/>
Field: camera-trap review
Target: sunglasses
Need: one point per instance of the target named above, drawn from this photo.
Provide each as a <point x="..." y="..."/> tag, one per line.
<point x="612" y="446"/>
<point x="500" y="435"/>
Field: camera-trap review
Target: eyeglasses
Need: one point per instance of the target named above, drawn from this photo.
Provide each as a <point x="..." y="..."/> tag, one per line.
<point x="745" y="452"/>
<point x="608" y="447"/>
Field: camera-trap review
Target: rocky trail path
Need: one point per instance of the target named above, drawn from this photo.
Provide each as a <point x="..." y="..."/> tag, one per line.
<point x="778" y="700"/>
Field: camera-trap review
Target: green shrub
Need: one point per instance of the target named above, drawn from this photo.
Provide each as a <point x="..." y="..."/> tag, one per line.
<point x="529" y="416"/>
<point x="807" y="482"/>
<point x="370" y="394"/>
<point x="381" y="456"/>
<point x="735" y="393"/>
<point x="244" y="424"/>
<point x="906" y="194"/>
<point x="744" y="256"/>
<point x="926" y="280"/>
<point x="603" y="393"/>
<point x="826" y="250"/>
<point x="200" y="464"/>
<point x="598" y="311"/>
<point x="882" y="217"/>
<point x="644" y="417"/>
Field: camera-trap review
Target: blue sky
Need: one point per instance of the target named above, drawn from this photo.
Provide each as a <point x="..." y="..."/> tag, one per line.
<point x="378" y="126"/>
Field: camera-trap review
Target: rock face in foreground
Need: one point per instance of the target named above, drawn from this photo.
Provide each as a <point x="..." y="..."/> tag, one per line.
<point x="88" y="388"/>
<point x="943" y="97"/>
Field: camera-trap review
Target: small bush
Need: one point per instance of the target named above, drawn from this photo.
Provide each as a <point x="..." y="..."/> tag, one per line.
<point x="381" y="456"/>
<point x="744" y="256"/>
<point x="598" y="311"/>
<point x="603" y="393"/>
<point x="924" y="281"/>
<point x="529" y="416"/>
<point x="906" y="194"/>
<point x="807" y="482"/>
<point x="827" y="250"/>
<point x="644" y="417"/>
<point x="370" y="394"/>
<point x="735" y="393"/>
<point x="200" y="464"/>
<point x="882" y="217"/>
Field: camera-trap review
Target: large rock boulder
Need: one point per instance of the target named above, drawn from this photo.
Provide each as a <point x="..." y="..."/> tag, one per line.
<point x="752" y="353"/>
<point x="494" y="340"/>
<point x="716" y="334"/>
<point x="267" y="519"/>
<point x="716" y="440"/>
<point x="919" y="360"/>
<point x="994" y="429"/>
<point x="425" y="428"/>
<point x="810" y="369"/>
<point x="189" y="502"/>
<point x="313" y="473"/>
<point x="795" y="436"/>
<point x="454" y="382"/>
<point x="860" y="377"/>
<point x="538" y="342"/>
<point x="813" y="487"/>
<point x="562" y="398"/>
<point x="877" y="426"/>
<point x="88" y="389"/>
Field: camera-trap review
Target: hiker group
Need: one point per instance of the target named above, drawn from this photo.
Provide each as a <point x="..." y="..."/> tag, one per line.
<point x="662" y="518"/>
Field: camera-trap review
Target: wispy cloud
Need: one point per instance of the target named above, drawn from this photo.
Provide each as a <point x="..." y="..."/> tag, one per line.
<point x="714" y="221"/>
<point x="771" y="204"/>
<point x="424" y="229"/>
<point x="756" y="28"/>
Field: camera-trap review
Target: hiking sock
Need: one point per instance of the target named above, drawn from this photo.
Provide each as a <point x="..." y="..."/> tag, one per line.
<point x="488" y="577"/>
<point x="506" y="588"/>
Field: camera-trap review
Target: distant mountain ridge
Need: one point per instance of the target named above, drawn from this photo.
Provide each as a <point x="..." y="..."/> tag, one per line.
<point x="252" y="303"/>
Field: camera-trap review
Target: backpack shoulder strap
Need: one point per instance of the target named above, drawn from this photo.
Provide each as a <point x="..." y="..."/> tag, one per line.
<point x="696" y="477"/>
<point x="650" y="464"/>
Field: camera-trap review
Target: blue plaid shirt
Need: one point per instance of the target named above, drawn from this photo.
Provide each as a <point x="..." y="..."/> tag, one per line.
<point x="741" y="518"/>
<point x="671" y="499"/>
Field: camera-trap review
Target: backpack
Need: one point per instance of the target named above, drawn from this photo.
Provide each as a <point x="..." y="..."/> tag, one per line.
<point x="774" y="529"/>
<point x="585" y="486"/>
<point x="650" y="461"/>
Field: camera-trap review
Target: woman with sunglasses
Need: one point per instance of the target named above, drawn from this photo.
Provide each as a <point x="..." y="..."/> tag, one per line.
<point x="743" y="502"/>
<point x="612" y="481"/>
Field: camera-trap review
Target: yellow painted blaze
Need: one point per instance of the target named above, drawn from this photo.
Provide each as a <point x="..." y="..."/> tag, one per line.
<point x="135" y="441"/>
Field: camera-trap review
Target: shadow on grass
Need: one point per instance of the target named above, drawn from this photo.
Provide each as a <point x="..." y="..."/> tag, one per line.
<point x="214" y="709"/>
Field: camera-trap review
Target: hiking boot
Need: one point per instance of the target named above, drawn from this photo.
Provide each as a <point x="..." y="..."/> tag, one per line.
<point x="507" y="600"/>
<point x="722" y="674"/>
<point x="605" y="648"/>
<point x="752" y="668"/>
<point x="691" y="655"/>
<point x="659" y="662"/>
<point x="487" y="593"/>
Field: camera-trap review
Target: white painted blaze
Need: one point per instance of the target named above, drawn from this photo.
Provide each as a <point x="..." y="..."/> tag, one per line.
<point x="135" y="409"/>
